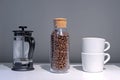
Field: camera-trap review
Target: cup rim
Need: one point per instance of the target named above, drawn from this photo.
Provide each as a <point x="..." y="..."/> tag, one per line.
<point x="93" y="38"/>
<point x="94" y="53"/>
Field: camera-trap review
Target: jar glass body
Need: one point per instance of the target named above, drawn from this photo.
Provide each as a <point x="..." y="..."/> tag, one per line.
<point x="59" y="50"/>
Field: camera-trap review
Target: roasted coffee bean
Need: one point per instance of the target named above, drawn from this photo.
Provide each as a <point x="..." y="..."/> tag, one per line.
<point x="59" y="51"/>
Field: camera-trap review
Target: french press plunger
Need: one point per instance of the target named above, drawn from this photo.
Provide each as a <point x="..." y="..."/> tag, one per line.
<point x="23" y="48"/>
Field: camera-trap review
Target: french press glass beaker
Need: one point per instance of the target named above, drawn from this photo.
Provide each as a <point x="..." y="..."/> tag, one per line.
<point x="23" y="48"/>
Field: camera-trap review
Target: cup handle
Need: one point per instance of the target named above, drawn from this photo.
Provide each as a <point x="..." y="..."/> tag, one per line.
<point x="108" y="46"/>
<point x="108" y="58"/>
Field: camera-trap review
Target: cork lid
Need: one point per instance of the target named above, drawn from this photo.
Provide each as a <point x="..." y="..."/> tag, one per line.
<point x="60" y="22"/>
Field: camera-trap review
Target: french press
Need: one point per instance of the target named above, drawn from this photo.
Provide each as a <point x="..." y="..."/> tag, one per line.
<point x="23" y="48"/>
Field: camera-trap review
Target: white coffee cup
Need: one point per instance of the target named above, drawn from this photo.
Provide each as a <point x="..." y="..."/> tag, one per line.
<point x="94" y="45"/>
<point x="94" y="62"/>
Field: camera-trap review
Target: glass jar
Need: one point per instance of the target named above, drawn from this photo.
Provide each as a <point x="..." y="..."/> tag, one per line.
<point x="60" y="46"/>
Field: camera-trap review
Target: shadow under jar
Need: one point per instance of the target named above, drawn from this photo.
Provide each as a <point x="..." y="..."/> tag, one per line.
<point x="60" y="47"/>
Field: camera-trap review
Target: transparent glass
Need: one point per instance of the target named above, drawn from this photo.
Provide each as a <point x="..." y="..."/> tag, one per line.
<point x="21" y="51"/>
<point x="59" y="50"/>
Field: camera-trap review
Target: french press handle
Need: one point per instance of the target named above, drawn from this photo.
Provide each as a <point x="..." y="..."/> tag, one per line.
<point x="31" y="42"/>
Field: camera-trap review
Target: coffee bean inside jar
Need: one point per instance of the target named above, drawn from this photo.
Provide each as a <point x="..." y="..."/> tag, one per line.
<point x="59" y="50"/>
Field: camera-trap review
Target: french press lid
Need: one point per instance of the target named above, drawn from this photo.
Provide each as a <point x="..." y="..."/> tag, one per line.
<point x="22" y="32"/>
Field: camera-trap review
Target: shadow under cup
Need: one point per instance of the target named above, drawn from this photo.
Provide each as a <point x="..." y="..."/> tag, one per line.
<point x="94" y="62"/>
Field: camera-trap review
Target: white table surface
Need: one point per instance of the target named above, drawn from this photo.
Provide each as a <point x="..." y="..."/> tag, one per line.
<point x="41" y="72"/>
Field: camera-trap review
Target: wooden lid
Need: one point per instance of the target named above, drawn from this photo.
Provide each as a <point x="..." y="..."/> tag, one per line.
<point x="60" y="22"/>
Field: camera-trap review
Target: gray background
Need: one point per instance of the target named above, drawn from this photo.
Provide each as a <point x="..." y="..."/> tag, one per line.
<point x="97" y="18"/>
